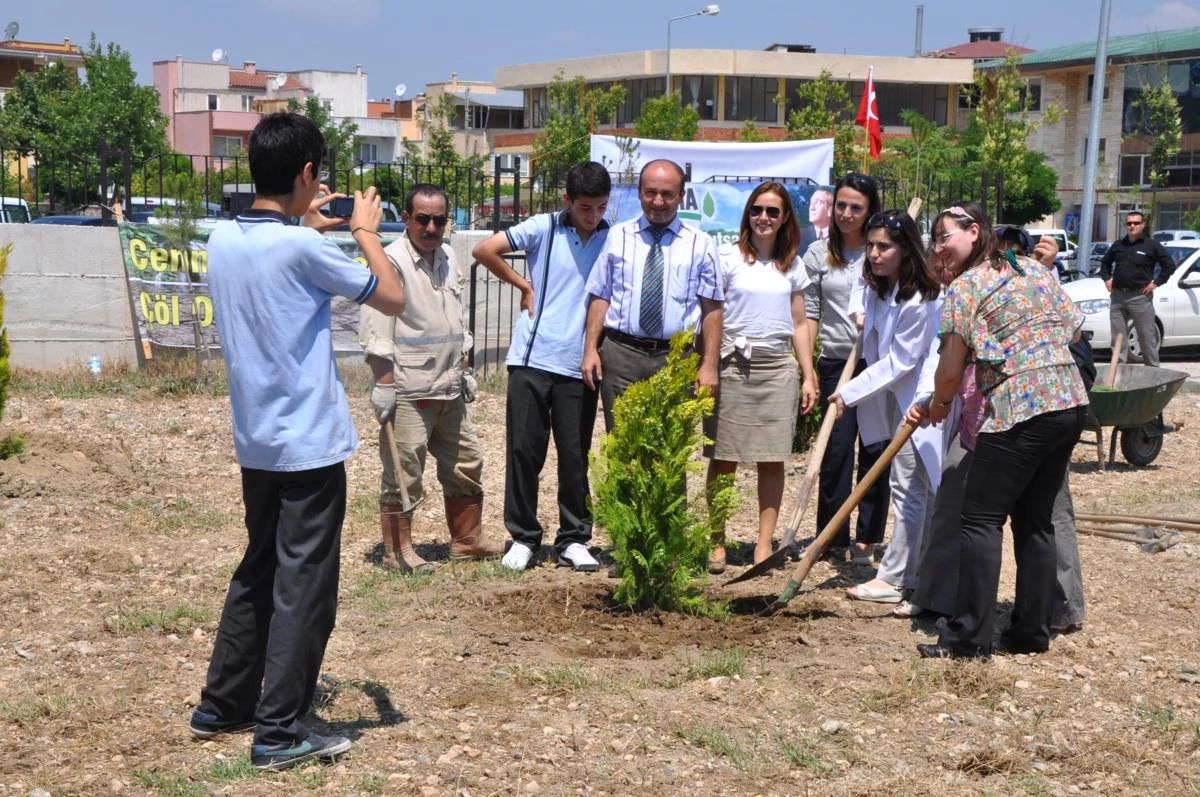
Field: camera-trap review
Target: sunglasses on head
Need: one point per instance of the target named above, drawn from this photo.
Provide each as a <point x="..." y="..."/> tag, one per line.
<point x="423" y="219"/>
<point x="889" y="221"/>
<point x="771" y="211"/>
<point x="857" y="178"/>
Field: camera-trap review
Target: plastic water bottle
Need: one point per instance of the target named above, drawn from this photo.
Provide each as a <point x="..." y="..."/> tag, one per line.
<point x="94" y="364"/>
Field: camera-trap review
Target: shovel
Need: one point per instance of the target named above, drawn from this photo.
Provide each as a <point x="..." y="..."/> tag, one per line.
<point x="812" y="471"/>
<point x="814" y="551"/>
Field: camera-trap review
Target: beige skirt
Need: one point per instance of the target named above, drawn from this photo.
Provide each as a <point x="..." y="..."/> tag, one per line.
<point x="755" y="416"/>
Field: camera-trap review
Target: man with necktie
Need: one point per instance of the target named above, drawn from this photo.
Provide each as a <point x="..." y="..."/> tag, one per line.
<point x="654" y="277"/>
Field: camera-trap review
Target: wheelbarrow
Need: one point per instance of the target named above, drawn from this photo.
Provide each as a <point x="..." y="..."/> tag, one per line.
<point x="1133" y="406"/>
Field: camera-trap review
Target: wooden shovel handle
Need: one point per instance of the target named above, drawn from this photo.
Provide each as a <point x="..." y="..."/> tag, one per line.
<point x="814" y="551"/>
<point x="1110" y="379"/>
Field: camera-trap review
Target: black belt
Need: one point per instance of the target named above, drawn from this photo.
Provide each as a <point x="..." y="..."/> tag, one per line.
<point x="645" y="344"/>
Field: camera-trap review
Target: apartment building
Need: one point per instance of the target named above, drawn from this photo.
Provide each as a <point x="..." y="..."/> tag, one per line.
<point x="211" y="107"/>
<point x="1064" y="77"/>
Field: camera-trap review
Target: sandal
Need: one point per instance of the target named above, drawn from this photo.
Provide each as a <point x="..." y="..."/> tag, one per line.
<point x="865" y="592"/>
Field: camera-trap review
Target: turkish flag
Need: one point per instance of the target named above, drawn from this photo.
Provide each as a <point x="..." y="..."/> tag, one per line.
<point x="868" y="115"/>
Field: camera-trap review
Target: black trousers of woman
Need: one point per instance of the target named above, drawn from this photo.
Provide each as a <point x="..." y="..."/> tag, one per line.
<point x="837" y="467"/>
<point x="1014" y="474"/>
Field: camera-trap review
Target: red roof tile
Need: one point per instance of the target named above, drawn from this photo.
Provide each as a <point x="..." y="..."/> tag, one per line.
<point x="240" y="79"/>
<point x="980" y="49"/>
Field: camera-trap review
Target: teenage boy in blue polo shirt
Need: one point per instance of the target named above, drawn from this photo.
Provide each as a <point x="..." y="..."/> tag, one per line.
<point x="546" y="393"/>
<point x="271" y="284"/>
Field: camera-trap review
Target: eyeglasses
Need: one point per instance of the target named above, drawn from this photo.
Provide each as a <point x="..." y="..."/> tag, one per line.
<point x="848" y="207"/>
<point x="889" y="221"/>
<point x="771" y="211"/>
<point x="423" y="219"/>
<point x="1134" y="223"/>
<point x="940" y="239"/>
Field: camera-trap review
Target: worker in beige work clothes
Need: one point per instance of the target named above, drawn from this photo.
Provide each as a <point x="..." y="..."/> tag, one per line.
<point x="417" y="360"/>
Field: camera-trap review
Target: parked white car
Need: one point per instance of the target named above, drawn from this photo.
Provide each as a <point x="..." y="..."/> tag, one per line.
<point x="1164" y="236"/>
<point x="1176" y="303"/>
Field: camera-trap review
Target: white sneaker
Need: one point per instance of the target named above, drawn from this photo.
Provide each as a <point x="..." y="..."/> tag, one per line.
<point x="577" y="557"/>
<point x="518" y="557"/>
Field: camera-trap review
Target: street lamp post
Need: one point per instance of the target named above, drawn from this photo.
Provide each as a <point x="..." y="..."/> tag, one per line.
<point x="710" y="10"/>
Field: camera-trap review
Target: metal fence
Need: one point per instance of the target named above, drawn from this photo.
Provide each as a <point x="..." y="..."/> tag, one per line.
<point x="57" y="181"/>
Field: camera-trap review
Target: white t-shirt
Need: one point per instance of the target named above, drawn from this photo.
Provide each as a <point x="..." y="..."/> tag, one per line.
<point x="758" y="298"/>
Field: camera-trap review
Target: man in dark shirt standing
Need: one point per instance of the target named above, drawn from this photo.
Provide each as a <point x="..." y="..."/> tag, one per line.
<point x="1132" y="268"/>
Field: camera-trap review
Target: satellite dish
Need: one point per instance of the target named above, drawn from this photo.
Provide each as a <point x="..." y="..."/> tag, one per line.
<point x="218" y="55"/>
<point x="11" y="30"/>
<point x="277" y="81"/>
<point x="401" y="89"/>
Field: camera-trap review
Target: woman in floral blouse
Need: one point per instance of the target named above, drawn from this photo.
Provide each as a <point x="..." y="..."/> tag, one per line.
<point x="1010" y="318"/>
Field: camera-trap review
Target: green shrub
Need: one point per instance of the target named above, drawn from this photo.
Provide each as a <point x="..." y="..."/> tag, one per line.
<point x="661" y="540"/>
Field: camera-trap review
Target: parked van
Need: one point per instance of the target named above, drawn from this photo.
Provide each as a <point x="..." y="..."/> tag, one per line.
<point x="14" y="211"/>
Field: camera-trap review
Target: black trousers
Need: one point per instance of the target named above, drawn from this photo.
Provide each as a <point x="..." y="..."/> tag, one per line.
<point x="837" y="467"/>
<point x="281" y="604"/>
<point x="541" y="403"/>
<point x="1014" y="474"/>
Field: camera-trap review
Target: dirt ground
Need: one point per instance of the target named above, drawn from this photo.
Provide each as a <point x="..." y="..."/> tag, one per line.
<point x="121" y="526"/>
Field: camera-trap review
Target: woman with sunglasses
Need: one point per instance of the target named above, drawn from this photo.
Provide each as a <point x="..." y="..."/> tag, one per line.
<point x="1008" y="316"/>
<point x="764" y="337"/>
<point x="901" y="307"/>
<point x="831" y="302"/>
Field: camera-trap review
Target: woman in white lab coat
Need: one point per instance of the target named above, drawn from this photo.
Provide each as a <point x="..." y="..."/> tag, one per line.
<point x="901" y="310"/>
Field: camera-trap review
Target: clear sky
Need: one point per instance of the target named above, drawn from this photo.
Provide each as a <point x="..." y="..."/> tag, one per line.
<point x="424" y="41"/>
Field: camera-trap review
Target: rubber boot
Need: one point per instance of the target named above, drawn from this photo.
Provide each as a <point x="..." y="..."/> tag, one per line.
<point x="464" y="516"/>
<point x="397" y="541"/>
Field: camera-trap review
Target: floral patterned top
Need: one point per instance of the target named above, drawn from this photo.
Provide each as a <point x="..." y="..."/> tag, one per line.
<point x="1017" y="324"/>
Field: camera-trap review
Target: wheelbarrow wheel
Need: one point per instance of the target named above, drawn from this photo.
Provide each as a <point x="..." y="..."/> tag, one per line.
<point x="1141" y="444"/>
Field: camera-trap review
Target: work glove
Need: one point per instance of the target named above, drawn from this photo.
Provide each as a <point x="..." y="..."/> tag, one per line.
<point x="383" y="401"/>
<point x="470" y="385"/>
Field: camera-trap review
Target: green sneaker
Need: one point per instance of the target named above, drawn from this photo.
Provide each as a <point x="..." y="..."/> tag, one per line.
<point x="282" y="756"/>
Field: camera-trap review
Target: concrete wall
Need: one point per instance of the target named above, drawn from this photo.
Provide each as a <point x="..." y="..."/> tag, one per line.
<point x="66" y="296"/>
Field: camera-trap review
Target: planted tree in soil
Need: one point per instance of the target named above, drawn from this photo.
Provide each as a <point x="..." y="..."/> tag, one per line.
<point x="661" y="540"/>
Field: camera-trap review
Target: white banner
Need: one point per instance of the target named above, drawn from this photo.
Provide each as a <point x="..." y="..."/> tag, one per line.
<point x="724" y="160"/>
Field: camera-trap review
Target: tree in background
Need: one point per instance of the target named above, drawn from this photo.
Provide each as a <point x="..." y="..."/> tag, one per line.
<point x="1158" y="119"/>
<point x="664" y="119"/>
<point x="573" y="111"/>
<point x="751" y="134"/>
<point x="999" y="131"/>
<point x="825" y="112"/>
<point x="462" y="177"/>
<point x="339" y="136"/>
<point x="51" y="110"/>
